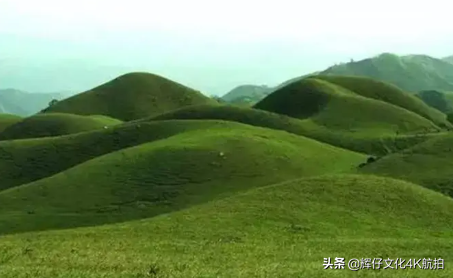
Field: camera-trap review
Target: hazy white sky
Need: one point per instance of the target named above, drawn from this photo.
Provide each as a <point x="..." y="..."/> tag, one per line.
<point x="210" y="45"/>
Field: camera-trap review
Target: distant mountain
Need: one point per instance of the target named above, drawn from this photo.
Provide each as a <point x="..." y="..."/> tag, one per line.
<point x="292" y="80"/>
<point x="251" y="94"/>
<point x="247" y="94"/>
<point x="413" y="73"/>
<point x="448" y="59"/>
<point x="22" y="103"/>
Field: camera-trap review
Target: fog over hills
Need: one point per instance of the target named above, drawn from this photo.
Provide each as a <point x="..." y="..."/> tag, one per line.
<point x="22" y="103"/>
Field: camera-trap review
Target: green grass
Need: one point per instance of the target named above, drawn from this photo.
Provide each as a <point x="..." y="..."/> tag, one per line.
<point x="131" y="96"/>
<point x="165" y="175"/>
<point x="429" y="164"/>
<point x="378" y="143"/>
<point x="283" y="230"/>
<point x="7" y="119"/>
<point x="55" y="124"/>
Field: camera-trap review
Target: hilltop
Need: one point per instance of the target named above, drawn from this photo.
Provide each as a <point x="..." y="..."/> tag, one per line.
<point x="154" y="176"/>
<point x="411" y="73"/>
<point x="23" y="103"/>
<point x="131" y="96"/>
<point x="55" y="124"/>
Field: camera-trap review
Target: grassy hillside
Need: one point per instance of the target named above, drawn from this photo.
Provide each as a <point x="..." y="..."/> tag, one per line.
<point x="324" y="104"/>
<point x="412" y="73"/>
<point x="131" y="96"/>
<point x="442" y="101"/>
<point x="24" y="161"/>
<point x="386" y="92"/>
<point x="429" y="164"/>
<point x="8" y="119"/>
<point x="166" y="175"/>
<point x="378" y="145"/>
<point x="283" y="230"/>
<point x="54" y="124"/>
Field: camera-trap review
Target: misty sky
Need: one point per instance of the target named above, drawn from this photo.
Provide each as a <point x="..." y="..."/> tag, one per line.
<point x="212" y="46"/>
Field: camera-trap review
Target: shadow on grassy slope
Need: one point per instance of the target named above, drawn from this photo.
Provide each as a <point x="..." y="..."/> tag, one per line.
<point x="429" y="164"/>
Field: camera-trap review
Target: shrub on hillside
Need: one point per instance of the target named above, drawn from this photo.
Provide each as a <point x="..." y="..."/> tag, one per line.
<point x="450" y="117"/>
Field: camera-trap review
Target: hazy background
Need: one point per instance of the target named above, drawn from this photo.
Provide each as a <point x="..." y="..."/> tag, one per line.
<point x="212" y="46"/>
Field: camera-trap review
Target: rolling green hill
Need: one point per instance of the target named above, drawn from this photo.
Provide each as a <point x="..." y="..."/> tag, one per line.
<point x="378" y="145"/>
<point x="131" y="96"/>
<point x="24" y="161"/>
<point x="386" y="92"/>
<point x="283" y="230"/>
<point x="7" y="119"/>
<point x="54" y="124"/>
<point x="429" y="164"/>
<point x="336" y="108"/>
<point x="411" y="73"/>
<point x="166" y="175"/>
